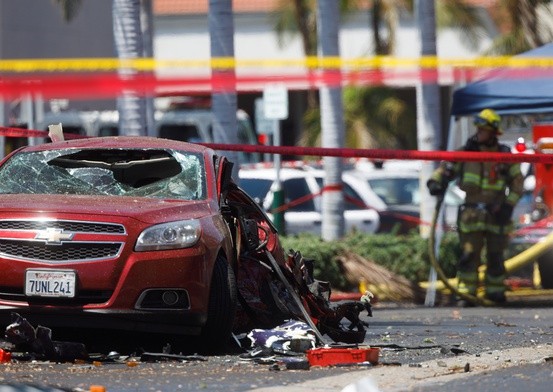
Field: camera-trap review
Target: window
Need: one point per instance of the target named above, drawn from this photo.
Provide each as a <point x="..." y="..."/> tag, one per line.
<point x="352" y="200"/>
<point x="397" y="191"/>
<point x="181" y="132"/>
<point x="256" y="188"/>
<point x="297" y="189"/>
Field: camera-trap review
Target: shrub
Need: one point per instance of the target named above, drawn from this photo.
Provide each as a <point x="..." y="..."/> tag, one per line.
<point x="406" y="255"/>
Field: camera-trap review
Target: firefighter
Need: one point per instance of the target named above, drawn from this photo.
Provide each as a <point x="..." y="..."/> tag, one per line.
<point x="484" y="220"/>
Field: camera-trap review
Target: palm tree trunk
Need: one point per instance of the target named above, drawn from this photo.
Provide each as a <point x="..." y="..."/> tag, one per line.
<point x="428" y="108"/>
<point x="224" y="101"/>
<point x="309" y="48"/>
<point x="379" y="46"/>
<point x="332" y="123"/>
<point x="527" y="12"/>
<point x="129" y="45"/>
<point x="146" y="23"/>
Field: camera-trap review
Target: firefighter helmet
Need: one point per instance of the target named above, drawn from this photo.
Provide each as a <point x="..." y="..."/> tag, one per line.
<point x="488" y="117"/>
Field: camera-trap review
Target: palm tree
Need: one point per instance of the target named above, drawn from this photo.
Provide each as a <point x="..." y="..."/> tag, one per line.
<point x="374" y="117"/>
<point x="332" y="124"/>
<point x="147" y="22"/>
<point x="428" y="108"/>
<point x="362" y="130"/>
<point x="224" y="103"/>
<point x="527" y="21"/>
<point x="296" y="16"/>
<point x="368" y="130"/>
<point x="385" y="14"/>
<point x="127" y="33"/>
<point x="135" y="114"/>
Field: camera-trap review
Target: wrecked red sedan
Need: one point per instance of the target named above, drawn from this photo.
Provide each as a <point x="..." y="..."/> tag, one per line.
<point x="146" y="234"/>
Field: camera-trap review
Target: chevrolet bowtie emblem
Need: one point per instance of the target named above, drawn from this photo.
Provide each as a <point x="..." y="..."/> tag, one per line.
<point x="54" y="236"/>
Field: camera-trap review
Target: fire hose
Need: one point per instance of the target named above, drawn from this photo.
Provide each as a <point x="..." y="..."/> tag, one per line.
<point x="511" y="265"/>
<point x="437" y="267"/>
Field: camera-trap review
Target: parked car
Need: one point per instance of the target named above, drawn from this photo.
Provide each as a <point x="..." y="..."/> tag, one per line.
<point x="393" y="190"/>
<point x="302" y="199"/>
<point x="395" y="193"/>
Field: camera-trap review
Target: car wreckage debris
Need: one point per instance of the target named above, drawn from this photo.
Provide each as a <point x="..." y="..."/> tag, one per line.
<point x="39" y="344"/>
<point x="305" y="300"/>
<point x="288" y="290"/>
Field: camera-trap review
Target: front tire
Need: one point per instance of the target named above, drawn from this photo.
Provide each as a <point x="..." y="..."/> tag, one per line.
<point x="216" y="334"/>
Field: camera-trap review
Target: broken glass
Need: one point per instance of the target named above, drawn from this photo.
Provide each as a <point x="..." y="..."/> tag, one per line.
<point x="115" y="172"/>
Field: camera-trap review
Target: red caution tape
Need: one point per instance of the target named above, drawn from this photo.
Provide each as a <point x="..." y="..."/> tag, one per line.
<point x="336" y="152"/>
<point x="380" y="154"/>
<point x="376" y="154"/>
<point x="87" y="85"/>
<point x="333" y="187"/>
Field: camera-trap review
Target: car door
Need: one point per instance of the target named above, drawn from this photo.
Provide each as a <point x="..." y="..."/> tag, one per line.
<point x="301" y="214"/>
<point x="357" y="215"/>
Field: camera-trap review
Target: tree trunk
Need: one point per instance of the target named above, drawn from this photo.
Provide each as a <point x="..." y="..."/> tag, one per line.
<point x="428" y="109"/>
<point x="224" y="100"/>
<point x="147" y="23"/>
<point x="309" y="48"/>
<point x="332" y="123"/>
<point x="127" y="34"/>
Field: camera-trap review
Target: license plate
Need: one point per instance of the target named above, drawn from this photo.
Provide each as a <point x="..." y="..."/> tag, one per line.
<point x="50" y="283"/>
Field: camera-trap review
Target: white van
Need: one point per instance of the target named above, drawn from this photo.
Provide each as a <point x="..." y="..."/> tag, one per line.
<point x="189" y="125"/>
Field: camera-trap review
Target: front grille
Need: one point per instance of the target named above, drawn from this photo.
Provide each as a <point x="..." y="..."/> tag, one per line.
<point x="65" y="252"/>
<point x="74" y="226"/>
<point x="53" y="240"/>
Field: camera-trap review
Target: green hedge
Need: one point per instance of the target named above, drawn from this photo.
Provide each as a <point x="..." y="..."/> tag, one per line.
<point x="406" y="255"/>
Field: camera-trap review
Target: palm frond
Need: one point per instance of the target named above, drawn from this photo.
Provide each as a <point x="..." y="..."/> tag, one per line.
<point x="457" y="14"/>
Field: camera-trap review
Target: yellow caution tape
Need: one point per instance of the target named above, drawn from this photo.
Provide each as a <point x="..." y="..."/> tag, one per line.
<point x="311" y="62"/>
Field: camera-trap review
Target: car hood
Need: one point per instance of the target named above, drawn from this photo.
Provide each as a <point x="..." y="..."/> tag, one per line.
<point x="144" y="209"/>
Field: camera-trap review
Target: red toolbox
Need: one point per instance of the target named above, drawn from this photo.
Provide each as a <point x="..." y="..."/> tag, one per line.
<point x="5" y="356"/>
<point x="340" y="356"/>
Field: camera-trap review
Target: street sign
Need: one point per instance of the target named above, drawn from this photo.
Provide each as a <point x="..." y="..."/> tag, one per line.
<point x="275" y="101"/>
<point x="263" y="125"/>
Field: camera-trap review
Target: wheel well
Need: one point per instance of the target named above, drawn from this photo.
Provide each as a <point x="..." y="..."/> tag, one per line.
<point x="230" y="260"/>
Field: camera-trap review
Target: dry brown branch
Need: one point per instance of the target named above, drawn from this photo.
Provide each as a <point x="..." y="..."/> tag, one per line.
<point x="384" y="284"/>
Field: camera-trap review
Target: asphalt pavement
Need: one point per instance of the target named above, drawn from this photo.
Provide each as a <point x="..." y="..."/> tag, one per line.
<point x="454" y="349"/>
<point x="421" y="349"/>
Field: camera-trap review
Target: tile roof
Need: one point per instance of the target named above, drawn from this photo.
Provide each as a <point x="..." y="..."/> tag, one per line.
<point x="170" y="7"/>
<point x="184" y="7"/>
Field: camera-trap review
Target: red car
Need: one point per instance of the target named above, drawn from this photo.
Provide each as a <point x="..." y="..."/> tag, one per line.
<point x="117" y="232"/>
<point x="140" y="233"/>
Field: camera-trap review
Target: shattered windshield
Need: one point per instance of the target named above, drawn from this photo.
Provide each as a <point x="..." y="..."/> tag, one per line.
<point x="116" y="172"/>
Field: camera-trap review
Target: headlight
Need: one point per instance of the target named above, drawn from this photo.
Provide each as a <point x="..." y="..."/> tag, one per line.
<point x="172" y="235"/>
